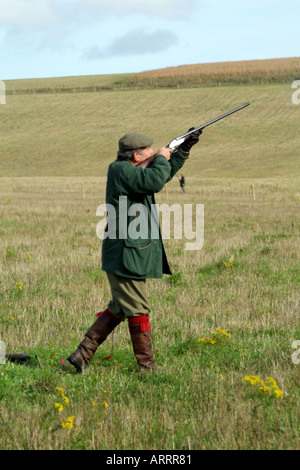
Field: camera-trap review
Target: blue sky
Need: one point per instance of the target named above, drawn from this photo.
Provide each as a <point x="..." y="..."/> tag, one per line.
<point x="53" y="38"/>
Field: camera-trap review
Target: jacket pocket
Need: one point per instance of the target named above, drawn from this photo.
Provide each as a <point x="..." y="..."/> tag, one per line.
<point x="137" y="257"/>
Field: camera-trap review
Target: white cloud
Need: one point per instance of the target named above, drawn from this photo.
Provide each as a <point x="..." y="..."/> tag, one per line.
<point x="168" y="9"/>
<point x="36" y="14"/>
<point x="28" y="13"/>
<point x="55" y="24"/>
<point x="134" y="42"/>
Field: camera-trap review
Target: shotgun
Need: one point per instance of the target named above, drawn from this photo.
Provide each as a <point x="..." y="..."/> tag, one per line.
<point x="181" y="138"/>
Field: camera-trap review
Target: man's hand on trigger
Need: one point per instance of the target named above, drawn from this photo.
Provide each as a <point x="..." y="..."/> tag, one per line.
<point x="165" y="151"/>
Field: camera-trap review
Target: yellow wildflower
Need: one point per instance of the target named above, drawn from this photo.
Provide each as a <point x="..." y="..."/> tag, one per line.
<point x="264" y="388"/>
<point x="269" y="387"/>
<point x="278" y="393"/>
<point x="59" y="407"/>
<point x="218" y="336"/>
<point x="69" y="423"/>
<point x="253" y="379"/>
<point x="229" y="264"/>
<point x="63" y="396"/>
<point x="105" y="404"/>
<point x="19" y="285"/>
<point x="223" y="332"/>
<point x="271" y="382"/>
<point x="207" y="340"/>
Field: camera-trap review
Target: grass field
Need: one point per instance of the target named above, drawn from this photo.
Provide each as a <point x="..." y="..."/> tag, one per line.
<point x="77" y="134"/>
<point x="243" y="283"/>
<point x="48" y="243"/>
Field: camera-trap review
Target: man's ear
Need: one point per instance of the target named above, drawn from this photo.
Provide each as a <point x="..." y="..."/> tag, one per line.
<point x="136" y="157"/>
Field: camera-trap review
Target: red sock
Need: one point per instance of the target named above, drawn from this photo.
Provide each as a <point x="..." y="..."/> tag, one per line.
<point x="142" y="320"/>
<point x="107" y="312"/>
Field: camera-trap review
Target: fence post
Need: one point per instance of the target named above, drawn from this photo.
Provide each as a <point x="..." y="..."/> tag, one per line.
<point x="2" y="92"/>
<point x="2" y="352"/>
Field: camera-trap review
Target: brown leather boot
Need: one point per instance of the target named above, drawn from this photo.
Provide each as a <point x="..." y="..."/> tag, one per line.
<point x="95" y="336"/>
<point x="139" y="328"/>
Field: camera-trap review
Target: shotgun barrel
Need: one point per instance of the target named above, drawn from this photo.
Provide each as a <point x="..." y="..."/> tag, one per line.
<point x="181" y="138"/>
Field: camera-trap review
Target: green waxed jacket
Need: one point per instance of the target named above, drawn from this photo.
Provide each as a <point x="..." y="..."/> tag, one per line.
<point x="133" y="245"/>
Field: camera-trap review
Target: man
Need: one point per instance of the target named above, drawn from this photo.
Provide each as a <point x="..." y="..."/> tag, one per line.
<point x="182" y="183"/>
<point x="131" y="256"/>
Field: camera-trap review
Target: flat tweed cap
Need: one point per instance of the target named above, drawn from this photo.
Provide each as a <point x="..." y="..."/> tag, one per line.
<point x="134" y="141"/>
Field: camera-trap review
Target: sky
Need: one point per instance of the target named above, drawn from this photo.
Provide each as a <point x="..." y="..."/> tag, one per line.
<point x="59" y="38"/>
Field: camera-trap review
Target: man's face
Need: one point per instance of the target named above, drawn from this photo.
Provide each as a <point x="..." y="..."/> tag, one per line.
<point x="144" y="154"/>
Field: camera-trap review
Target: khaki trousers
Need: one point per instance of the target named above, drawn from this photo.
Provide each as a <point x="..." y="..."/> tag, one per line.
<point x="129" y="297"/>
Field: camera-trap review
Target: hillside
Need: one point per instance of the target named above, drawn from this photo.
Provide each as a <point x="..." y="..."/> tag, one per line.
<point x="221" y="73"/>
<point x="213" y="74"/>
<point x="47" y="133"/>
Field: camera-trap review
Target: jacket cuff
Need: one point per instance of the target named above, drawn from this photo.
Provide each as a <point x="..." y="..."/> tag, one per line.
<point x="184" y="155"/>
